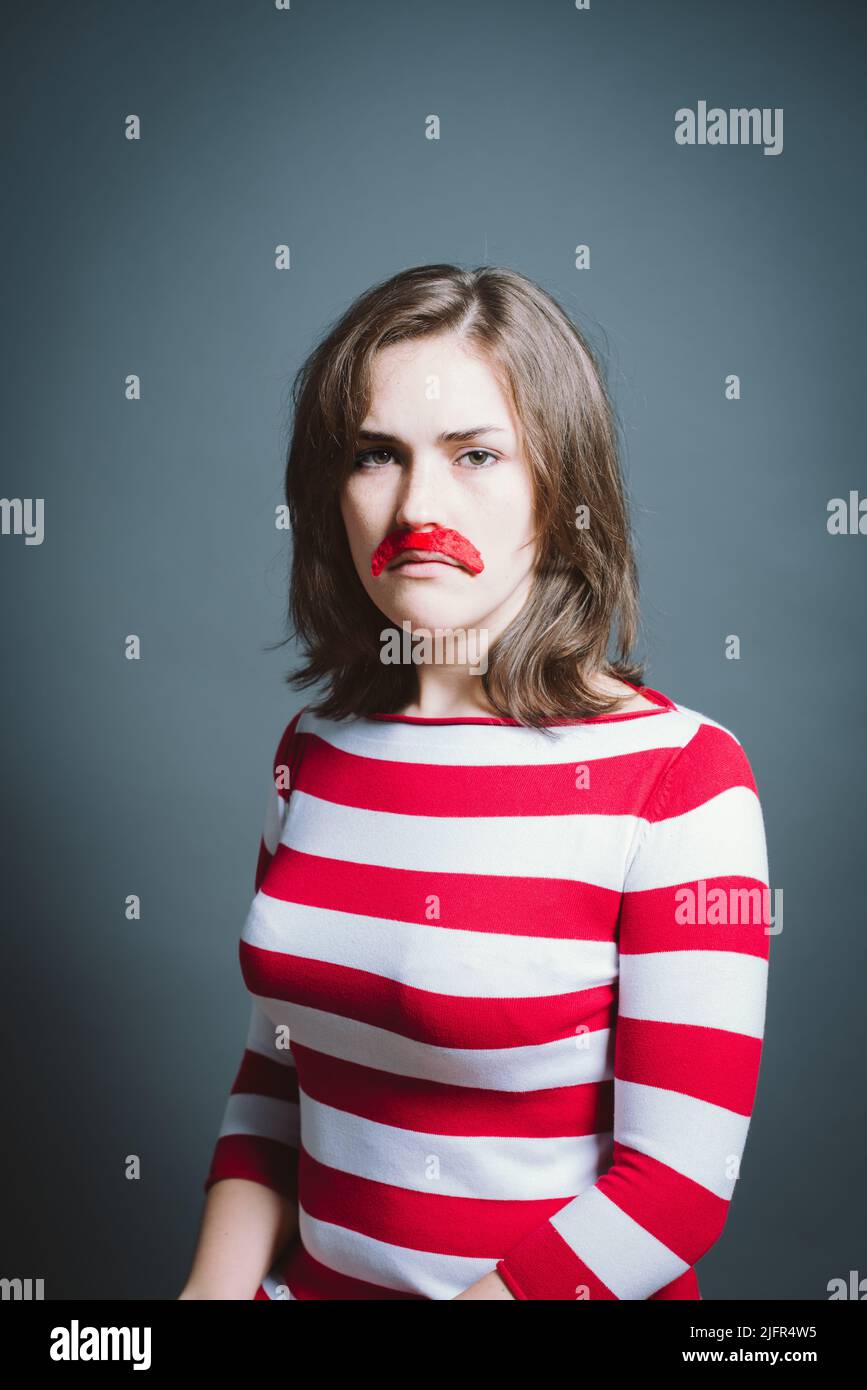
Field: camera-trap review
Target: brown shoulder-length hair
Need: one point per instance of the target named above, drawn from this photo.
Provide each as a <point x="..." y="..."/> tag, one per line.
<point x="585" y="583"/>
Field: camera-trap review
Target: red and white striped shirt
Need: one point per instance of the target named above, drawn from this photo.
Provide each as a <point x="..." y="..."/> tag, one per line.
<point x="508" y="1001"/>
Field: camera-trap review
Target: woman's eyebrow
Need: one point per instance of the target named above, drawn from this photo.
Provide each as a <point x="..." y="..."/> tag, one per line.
<point x="447" y="437"/>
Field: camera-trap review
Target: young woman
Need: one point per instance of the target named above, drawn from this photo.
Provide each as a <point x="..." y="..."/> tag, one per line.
<point x="508" y="948"/>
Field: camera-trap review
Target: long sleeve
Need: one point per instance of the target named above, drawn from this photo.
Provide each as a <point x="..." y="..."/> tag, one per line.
<point x="694" y="944"/>
<point x="261" y="1121"/>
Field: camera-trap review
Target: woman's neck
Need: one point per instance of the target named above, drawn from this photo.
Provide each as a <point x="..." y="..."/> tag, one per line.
<point x="454" y="697"/>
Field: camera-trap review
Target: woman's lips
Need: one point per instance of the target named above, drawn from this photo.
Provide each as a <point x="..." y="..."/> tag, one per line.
<point x="420" y="556"/>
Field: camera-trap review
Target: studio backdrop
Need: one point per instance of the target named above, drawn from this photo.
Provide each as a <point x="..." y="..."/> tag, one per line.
<point x="194" y="192"/>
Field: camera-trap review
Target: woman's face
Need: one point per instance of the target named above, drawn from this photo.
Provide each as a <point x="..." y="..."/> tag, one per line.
<point x="408" y="478"/>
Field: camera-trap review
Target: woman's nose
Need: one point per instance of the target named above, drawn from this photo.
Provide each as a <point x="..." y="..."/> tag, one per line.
<point x="421" y="495"/>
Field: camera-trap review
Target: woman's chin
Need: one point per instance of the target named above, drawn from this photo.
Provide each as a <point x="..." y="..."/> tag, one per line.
<point x="434" y="615"/>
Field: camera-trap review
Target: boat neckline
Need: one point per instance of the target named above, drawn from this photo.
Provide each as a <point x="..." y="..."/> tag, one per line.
<point x="665" y="706"/>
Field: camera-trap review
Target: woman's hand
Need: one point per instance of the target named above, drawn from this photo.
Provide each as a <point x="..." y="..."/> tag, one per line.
<point x="489" y="1286"/>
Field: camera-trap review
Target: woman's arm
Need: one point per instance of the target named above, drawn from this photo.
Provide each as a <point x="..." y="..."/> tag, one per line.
<point x="251" y="1208"/>
<point x="244" y="1227"/>
<point x="693" y="946"/>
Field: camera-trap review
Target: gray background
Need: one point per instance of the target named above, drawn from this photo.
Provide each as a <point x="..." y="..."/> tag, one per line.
<point x="156" y="257"/>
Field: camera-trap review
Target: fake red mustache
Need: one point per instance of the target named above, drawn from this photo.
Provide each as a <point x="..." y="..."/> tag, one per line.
<point x="440" y="539"/>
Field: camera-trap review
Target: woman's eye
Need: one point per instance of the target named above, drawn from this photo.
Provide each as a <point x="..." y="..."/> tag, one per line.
<point x="377" y="458"/>
<point x="361" y="461"/>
